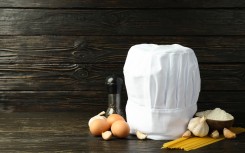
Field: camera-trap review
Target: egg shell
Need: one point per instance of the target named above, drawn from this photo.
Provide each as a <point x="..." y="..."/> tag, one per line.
<point x="120" y="129"/>
<point x="98" y="126"/>
<point x="113" y="118"/>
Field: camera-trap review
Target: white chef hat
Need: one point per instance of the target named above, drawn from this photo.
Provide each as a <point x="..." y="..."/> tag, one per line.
<point x="163" y="85"/>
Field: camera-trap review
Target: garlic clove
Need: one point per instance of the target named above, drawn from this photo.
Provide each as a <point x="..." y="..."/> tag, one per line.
<point x="187" y="134"/>
<point x="99" y="116"/>
<point x="215" y="134"/>
<point x="141" y="135"/>
<point x="107" y="135"/>
<point x="228" y="133"/>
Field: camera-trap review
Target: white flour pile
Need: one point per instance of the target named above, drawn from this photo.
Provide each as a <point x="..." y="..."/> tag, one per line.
<point x="216" y="114"/>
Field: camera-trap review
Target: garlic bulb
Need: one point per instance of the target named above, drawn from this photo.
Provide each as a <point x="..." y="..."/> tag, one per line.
<point x="99" y="116"/>
<point x="198" y="126"/>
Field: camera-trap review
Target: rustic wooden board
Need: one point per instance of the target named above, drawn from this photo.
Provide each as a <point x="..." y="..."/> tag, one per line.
<point x="122" y="22"/>
<point x="53" y="101"/>
<point x="55" y="55"/>
<point x="111" y="49"/>
<point x="100" y="97"/>
<point x="122" y="4"/>
<point x="92" y="76"/>
<point x="68" y="132"/>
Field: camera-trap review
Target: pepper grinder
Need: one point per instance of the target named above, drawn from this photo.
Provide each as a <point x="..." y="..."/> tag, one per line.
<point x="114" y="88"/>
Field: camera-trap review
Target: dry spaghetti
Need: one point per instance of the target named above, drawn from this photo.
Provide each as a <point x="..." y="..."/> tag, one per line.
<point x="192" y="143"/>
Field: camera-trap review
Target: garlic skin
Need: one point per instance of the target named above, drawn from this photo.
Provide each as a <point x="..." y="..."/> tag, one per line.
<point x="198" y="126"/>
<point x="99" y="116"/>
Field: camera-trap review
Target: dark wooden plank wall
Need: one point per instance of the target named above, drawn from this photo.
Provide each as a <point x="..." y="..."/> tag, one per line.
<point x="55" y="55"/>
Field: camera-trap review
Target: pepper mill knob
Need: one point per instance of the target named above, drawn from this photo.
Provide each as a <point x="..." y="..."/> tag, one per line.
<point x="114" y="84"/>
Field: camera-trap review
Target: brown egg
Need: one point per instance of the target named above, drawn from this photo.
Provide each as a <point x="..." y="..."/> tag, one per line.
<point x="98" y="126"/>
<point x="113" y="118"/>
<point x="120" y="129"/>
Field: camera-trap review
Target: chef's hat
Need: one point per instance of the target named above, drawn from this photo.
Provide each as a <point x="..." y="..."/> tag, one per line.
<point x="163" y="85"/>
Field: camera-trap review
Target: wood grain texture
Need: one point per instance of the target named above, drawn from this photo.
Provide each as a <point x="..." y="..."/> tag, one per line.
<point x="122" y="22"/>
<point x="122" y="4"/>
<point x="100" y="97"/>
<point x="31" y="101"/>
<point x="111" y="49"/>
<point x="56" y="76"/>
<point x="43" y="101"/>
<point x="68" y="132"/>
<point x="55" y="55"/>
<point x="91" y="76"/>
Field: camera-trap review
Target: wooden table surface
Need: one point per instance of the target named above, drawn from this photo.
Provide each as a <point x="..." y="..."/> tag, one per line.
<point x="68" y="132"/>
